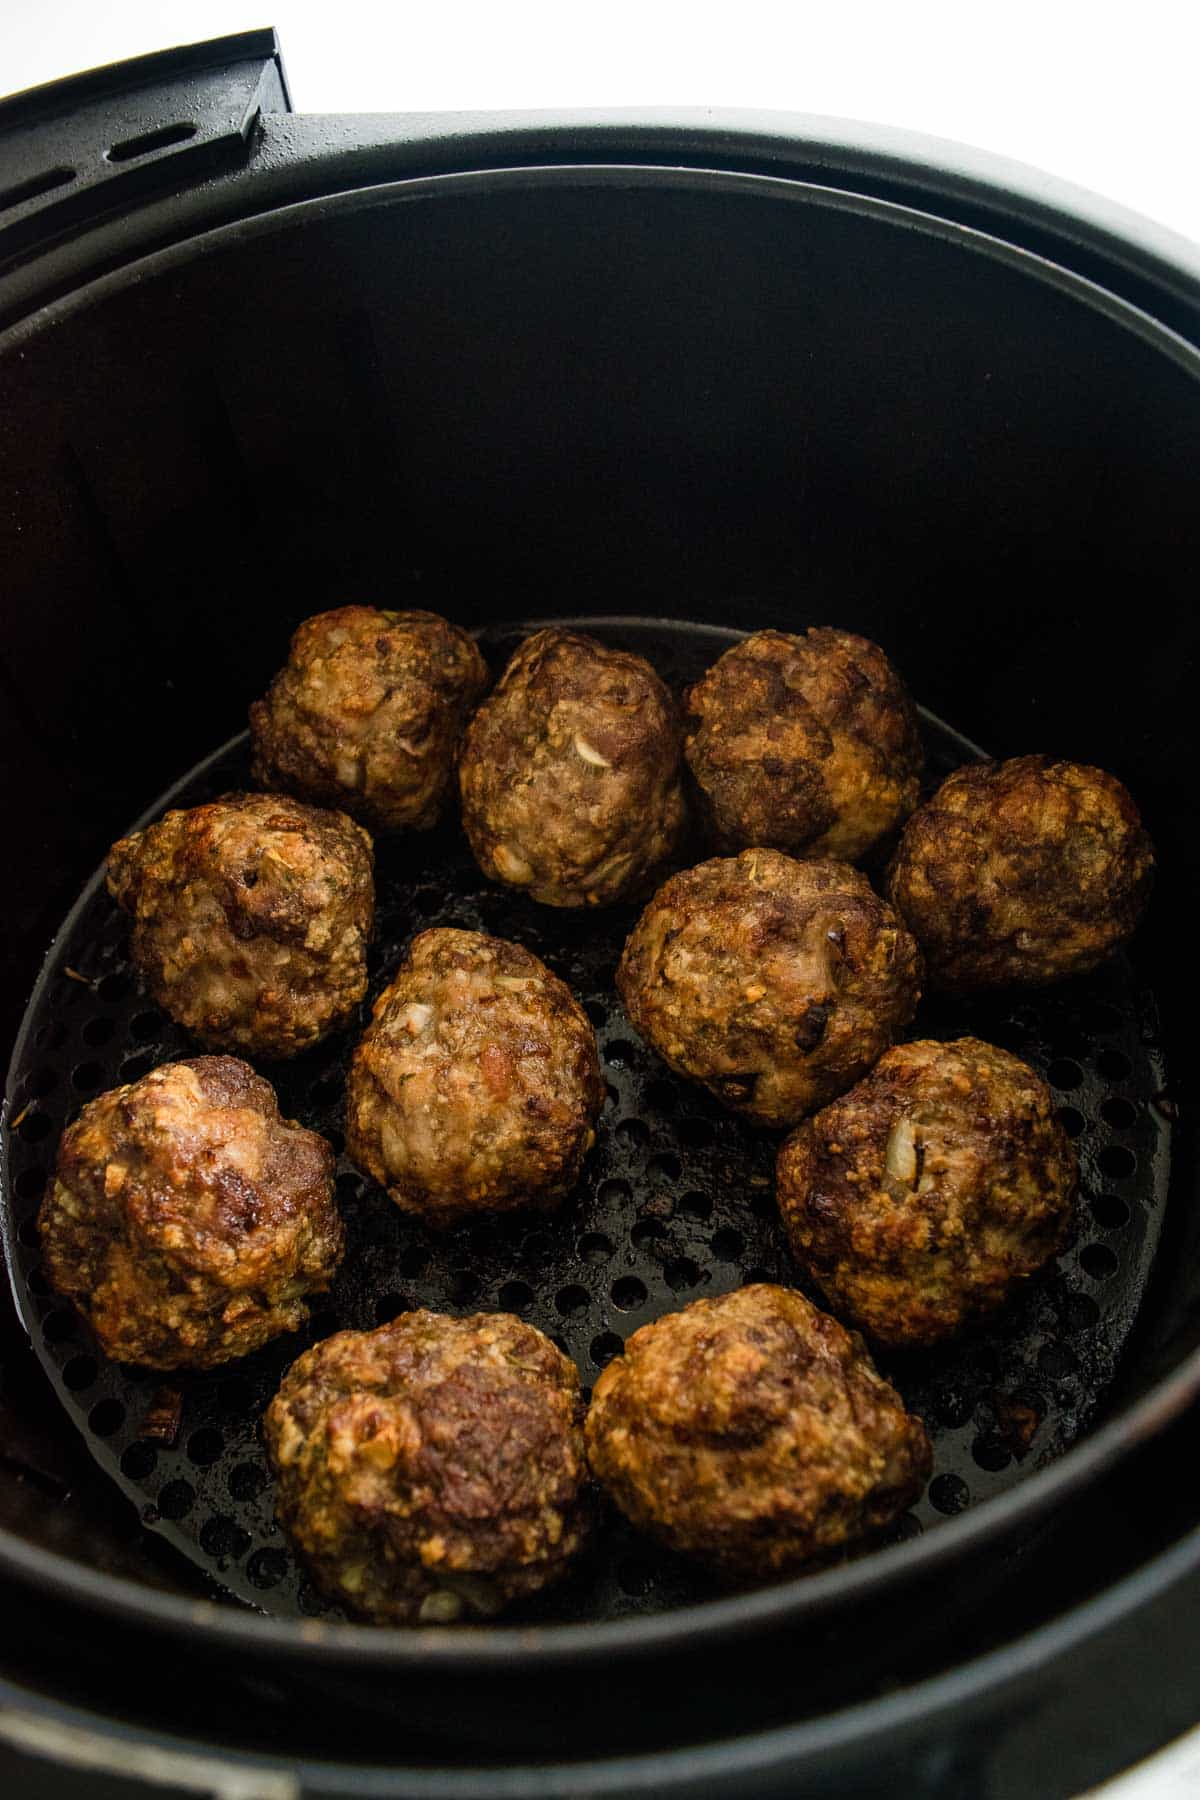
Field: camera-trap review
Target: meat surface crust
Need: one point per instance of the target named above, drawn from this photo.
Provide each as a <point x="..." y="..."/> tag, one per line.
<point x="250" y="919"/>
<point x="476" y="1087"/>
<point x="773" y="982"/>
<point x="1021" y="873"/>
<point x="367" y="713"/>
<point x="920" y="1200"/>
<point x="433" y="1469"/>
<point x="805" y="743"/>
<point x="187" y="1220"/>
<point x="754" y="1433"/>
<point x="571" y="773"/>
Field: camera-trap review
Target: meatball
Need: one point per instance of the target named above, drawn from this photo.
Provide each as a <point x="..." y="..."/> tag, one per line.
<point x="188" y="1221"/>
<point x="775" y="983"/>
<point x="367" y="713"/>
<point x="476" y="1087"/>
<point x="754" y="1433"/>
<point x="1021" y="872"/>
<point x="809" y="744"/>
<point x="571" y="773"/>
<point x="919" y="1201"/>
<point x="432" y="1468"/>
<point x="251" y="919"/>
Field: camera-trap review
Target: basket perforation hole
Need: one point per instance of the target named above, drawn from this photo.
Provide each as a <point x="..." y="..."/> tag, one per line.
<point x="35" y="1126"/>
<point x="1117" y="1162"/>
<point x="603" y="1348"/>
<point x="223" y="1538"/>
<point x="139" y="1460"/>
<point x="516" y="1296"/>
<point x="1064" y="1074"/>
<point x="1120" y="1114"/>
<point x="97" y="1031"/>
<point x="267" y="1568"/>
<point x="205" y="1446"/>
<point x="247" y="1481"/>
<point x="595" y="1247"/>
<point x="634" y="1131"/>
<point x="57" y="1327"/>
<point x="695" y="1205"/>
<point x="728" y="1244"/>
<point x="646" y="1233"/>
<point x="1114" y="1065"/>
<point x="176" y="1500"/>
<point x="614" y="1193"/>
<point x="30" y="1184"/>
<point x="949" y="1494"/>
<point x="1098" y="1261"/>
<point x="81" y="1372"/>
<point x="390" y="1306"/>
<point x="106" y="1417"/>
<point x="572" y="1301"/>
<point x="1109" y="1211"/>
<point x="682" y="1274"/>
<point x="628" y="1293"/>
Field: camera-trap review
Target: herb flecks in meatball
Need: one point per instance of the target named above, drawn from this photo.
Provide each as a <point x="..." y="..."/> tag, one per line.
<point x="921" y="1199"/>
<point x="571" y="773"/>
<point x="1022" y="873"/>
<point x="433" y="1469"/>
<point x="773" y="982"/>
<point x="754" y="1433"/>
<point x="807" y="743"/>
<point x="476" y="1087"/>
<point x="367" y="713"/>
<point x="188" y="1221"/>
<point x="251" y="919"/>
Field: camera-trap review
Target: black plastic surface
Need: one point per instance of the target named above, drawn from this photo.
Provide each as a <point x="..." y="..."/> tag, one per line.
<point x="676" y="1201"/>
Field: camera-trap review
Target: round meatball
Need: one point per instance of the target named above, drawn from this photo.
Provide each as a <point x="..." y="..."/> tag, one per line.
<point x="918" y="1201"/>
<point x="754" y="1433"/>
<point x="571" y="773"/>
<point x="367" y="713"/>
<point x="1021" y="873"/>
<point x="251" y="919"/>
<point x="809" y="744"/>
<point x="476" y="1087"/>
<point x="433" y="1469"/>
<point x="188" y="1221"/>
<point x="774" y="983"/>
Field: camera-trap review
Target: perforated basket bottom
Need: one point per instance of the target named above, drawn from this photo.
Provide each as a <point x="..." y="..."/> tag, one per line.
<point x="675" y="1202"/>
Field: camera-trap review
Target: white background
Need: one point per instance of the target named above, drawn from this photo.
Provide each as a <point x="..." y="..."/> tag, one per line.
<point x="1106" y="96"/>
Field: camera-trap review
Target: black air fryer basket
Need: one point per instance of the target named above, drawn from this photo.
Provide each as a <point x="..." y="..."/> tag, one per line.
<point x="671" y="379"/>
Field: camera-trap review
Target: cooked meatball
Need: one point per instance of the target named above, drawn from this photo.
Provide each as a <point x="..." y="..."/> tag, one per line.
<point x="809" y="744"/>
<point x="188" y="1221"/>
<point x="477" y="1085"/>
<point x="571" y="773"/>
<point x="919" y="1201"/>
<point x="251" y="919"/>
<point x="753" y="1433"/>
<point x="775" y="983"/>
<point x="1021" y="872"/>
<point x="431" y="1469"/>
<point x="367" y="712"/>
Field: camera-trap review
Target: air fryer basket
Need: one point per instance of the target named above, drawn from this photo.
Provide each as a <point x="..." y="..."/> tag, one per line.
<point x="676" y="1202"/>
<point x="668" y="399"/>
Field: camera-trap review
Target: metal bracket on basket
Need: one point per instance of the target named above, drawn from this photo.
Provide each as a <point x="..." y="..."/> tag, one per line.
<point x="88" y="146"/>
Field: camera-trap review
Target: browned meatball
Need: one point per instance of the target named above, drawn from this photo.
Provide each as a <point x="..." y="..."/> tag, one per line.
<point x="251" y="919"/>
<point x="806" y="743"/>
<point x="188" y="1221"/>
<point x="571" y="773"/>
<point x="1022" y="872"/>
<point x="367" y="712"/>
<point x="775" y="983"/>
<point x="754" y="1433"/>
<point x="920" y="1199"/>
<point x="432" y="1469"/>
<point x="477" y="1085"/>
